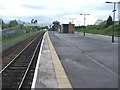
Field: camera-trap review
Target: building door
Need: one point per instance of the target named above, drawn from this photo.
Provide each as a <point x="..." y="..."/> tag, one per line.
<point x="65" y="28"/>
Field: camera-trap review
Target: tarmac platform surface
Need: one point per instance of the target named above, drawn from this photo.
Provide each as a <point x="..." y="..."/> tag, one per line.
<point x="90" y="62"/>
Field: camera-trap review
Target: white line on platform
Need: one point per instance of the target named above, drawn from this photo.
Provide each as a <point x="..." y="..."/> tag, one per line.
<point x="93" y="60"/>
<point x="103" y="66"/>
<point x="37" y="65"/>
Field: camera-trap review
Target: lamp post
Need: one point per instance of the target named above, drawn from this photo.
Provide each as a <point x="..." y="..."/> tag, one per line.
<point x="113" y="19"/>
<point x="119" y="11"/>
<point x="84" y="22"/>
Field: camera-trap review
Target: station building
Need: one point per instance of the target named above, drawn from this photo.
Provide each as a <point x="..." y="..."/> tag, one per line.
<point x="67" y="28"/>
<point x="64" y="28"/>
<point x="56" y="26"/>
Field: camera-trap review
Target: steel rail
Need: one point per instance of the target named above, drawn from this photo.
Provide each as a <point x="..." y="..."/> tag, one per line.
<point x="18" y="55"/>
<point x="22" y="81"/>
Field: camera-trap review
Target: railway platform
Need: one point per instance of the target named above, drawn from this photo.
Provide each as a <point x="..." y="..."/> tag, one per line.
<point x="90" y="62"/>
<point x="64" y="61"/>
<point x="49" y="71"/>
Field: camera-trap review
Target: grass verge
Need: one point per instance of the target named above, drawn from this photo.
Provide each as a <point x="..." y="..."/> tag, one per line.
<point x="10" y="40"/>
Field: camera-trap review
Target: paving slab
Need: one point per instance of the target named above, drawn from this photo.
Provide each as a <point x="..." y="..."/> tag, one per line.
<point x="46" y="76"/>
<point x="50" y="72"/>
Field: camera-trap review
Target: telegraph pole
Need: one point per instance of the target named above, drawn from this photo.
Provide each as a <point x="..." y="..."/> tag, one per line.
<point x="84" y="22"/>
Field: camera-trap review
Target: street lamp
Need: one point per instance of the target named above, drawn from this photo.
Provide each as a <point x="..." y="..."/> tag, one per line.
<point x="119" y="11"/>
<point x="84" y="22"/>
<point x="113" y="18"/>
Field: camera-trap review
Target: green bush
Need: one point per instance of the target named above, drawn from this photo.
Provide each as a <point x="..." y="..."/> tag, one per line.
<point x="25" y="27"/>
<point x="101" y="30"/>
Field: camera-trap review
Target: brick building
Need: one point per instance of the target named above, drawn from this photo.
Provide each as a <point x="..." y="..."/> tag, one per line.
<point x="67" y="28"/>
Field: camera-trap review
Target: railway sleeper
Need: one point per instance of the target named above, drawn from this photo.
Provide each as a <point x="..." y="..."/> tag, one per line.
<point x="17" y="68"/>
<point x="20" y="65"/>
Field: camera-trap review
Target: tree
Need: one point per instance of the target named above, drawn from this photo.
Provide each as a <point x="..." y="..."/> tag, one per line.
<point x="34" y="21"/>
<point x="2" y="22"/>
<point x="70" y="23"/>
<point x="109" y="21"/>
<point x="4" y="25"/>
<point x="13" y="23"/>
<point x="98" y="22"/>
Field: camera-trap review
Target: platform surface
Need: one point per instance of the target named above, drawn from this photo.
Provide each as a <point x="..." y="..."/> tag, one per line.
<point x="49" y="71"/>
<point x="90" y="62"/>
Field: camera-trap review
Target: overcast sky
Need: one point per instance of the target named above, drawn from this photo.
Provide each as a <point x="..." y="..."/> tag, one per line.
<point x="47" y="11"/>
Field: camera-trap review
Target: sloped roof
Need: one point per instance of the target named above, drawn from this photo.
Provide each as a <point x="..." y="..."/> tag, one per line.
<point x="56" y="22"/>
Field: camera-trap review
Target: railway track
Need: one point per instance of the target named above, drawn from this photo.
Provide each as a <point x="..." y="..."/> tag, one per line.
<point x="18" y="74"/>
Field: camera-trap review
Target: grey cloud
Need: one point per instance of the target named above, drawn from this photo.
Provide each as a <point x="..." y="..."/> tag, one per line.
<point x="34" y="6"/>
<point x="104" y="6"/>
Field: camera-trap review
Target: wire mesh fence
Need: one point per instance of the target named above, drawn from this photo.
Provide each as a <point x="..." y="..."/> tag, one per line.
<point x="10" y="32"/>
<point x="13" y="25"/>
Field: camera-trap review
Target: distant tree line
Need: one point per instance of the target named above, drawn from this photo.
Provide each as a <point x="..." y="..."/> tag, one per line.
<point x="104" y="27"/>
<point x="101" y="24"/>
<point x="12" y="23"/>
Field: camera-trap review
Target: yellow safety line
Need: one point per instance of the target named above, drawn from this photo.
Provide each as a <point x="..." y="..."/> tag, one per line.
<point x="61" y="76"/>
